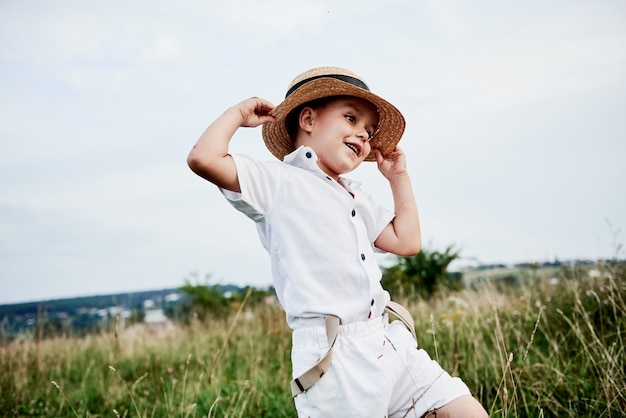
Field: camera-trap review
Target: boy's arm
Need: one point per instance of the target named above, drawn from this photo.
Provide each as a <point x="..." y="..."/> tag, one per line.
<point x="402" y="236"/>
<point x="210" y="159"/>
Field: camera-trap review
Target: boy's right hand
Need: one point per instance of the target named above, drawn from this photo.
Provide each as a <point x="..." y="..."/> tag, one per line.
<point x="254" y="112"/>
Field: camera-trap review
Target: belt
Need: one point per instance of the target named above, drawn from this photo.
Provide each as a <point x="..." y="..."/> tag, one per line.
<point x="306" y="380"/>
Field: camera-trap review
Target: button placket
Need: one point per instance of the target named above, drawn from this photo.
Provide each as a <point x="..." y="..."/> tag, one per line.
<point x="362" y="248"/>
<point x="353" y="215"/>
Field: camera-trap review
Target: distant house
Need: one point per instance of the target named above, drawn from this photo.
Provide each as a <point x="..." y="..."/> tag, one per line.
<point x="155" y="317"/>
<point x="172" y="297"/>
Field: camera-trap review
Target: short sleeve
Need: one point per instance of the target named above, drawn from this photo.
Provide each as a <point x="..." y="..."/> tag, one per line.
<point x="258" y="181"/>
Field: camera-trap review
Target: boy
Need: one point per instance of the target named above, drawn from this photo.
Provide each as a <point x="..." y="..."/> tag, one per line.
<point x="322" y="232"/>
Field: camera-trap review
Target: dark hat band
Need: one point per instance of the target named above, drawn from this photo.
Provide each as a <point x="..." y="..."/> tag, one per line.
<point x="346" y="78"/>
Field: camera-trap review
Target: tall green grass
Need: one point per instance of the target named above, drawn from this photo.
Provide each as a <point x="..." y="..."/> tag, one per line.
<point x="538" y="350"/>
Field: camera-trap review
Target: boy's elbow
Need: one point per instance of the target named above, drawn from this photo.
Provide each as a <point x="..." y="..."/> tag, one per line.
<point x="412" y="248"/>
<point x="410" y="252"/>
<point x="195" y="163"/>
<point x="192" y="161"/>
<point x="219" y="171"/>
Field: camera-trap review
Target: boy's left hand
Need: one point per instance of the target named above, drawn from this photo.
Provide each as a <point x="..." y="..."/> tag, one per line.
<point x="391" y="165"/>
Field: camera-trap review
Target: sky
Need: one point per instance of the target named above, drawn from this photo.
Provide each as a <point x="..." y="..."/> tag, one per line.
<point x="515" y="133"/>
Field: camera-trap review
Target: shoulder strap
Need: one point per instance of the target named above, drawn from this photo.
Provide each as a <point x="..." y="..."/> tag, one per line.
<point x="303" y="382"/>
<point x="403" y="315"/>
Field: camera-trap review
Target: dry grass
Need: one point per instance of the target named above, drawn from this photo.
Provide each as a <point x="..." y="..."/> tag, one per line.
<point x="539" y="350"/>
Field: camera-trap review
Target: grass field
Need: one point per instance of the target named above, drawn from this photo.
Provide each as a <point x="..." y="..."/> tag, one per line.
<point x="545" y="348"/>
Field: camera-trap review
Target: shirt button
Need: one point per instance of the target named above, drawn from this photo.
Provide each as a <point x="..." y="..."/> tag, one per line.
<point x="362" y="256"/>
<point x="308" y="154"/>
<point x="353" y="212"/>
<point x="372" y="302"/>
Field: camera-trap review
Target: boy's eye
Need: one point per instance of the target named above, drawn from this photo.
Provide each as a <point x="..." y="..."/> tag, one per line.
<point x="351" y="118"/>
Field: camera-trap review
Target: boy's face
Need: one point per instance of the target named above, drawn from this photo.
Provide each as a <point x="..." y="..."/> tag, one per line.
<point x="339" y="132"/>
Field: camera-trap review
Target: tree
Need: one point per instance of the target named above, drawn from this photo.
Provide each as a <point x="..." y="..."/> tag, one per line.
<point x="422" y="274"/>
<point x="206" y="300"/>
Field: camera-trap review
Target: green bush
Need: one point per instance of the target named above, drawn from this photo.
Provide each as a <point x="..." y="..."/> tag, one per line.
<point x="421" y="275"/>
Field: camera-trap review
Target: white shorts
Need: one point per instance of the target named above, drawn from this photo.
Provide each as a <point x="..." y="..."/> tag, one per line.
<point x="376" y="371"/>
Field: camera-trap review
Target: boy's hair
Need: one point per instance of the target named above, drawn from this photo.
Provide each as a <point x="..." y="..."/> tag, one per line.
<point x="292" y="121"/>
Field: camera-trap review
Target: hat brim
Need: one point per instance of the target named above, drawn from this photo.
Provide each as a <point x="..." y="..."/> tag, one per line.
<point x="388" y="133"/>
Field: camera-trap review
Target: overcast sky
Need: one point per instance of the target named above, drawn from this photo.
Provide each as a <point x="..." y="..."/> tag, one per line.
<point x="516" y="122"/>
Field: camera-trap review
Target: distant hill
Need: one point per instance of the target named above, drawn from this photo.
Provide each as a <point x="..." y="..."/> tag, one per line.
<point x="87" y="313"/>
<point x="129" y="300"/>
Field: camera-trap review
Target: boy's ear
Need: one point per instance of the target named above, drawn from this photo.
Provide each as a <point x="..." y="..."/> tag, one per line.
<point x="306" y="119"/>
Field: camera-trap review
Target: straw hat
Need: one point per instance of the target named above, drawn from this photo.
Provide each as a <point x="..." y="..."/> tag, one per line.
<point x="327" y="82"/>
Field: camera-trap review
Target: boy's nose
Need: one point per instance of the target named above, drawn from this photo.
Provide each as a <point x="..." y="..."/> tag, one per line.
<point x="363" y="135"/>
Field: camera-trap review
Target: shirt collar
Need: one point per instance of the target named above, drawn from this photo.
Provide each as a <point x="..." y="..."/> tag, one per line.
<point x="304" y="157"/>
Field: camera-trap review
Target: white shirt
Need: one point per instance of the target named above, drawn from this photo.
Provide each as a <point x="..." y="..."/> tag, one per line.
<point x="320" y="236"/>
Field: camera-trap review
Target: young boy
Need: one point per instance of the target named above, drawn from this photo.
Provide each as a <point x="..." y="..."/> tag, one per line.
<point x="322" y="232"/>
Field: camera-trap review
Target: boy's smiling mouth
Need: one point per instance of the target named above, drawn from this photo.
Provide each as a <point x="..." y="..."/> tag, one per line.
<point x="354" y="147"/>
